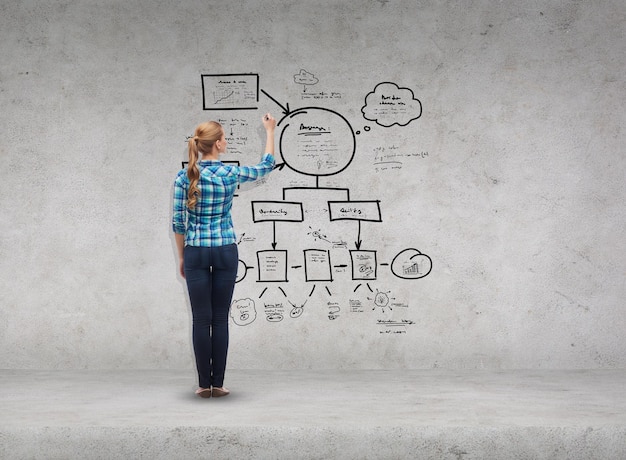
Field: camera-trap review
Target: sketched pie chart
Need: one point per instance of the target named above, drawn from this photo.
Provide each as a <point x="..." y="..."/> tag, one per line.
<point x="316" y="141"/>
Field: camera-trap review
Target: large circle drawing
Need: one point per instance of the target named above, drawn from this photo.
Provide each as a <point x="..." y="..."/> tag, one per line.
<point x="316" y="141"/>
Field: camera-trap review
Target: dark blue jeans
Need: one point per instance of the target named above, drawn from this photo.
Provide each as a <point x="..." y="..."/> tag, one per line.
<point x="210" y="273"/>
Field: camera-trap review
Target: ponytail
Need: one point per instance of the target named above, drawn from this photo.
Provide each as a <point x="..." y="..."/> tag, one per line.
<point x="193" y="173"/>
<point x="205" y="136"/>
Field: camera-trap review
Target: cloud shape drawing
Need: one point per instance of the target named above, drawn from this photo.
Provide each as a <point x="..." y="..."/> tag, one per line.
<point x="411" y="264"/>
<point x="390" y="105"/>
<point x="305" y="78"/>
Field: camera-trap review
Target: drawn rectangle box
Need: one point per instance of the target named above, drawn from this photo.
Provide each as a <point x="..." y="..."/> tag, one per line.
<point x="317" y="265"/>
<point x="272" y="265"/>
<point x="233" y="91"/>
<point x="277" y="211"/>
<point x="363" y="265"/>
<point x="355" y="210"/>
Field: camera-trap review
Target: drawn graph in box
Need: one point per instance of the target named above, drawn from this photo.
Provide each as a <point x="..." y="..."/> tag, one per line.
<point x="223" y="96"/>
<point x="230" y="91"/>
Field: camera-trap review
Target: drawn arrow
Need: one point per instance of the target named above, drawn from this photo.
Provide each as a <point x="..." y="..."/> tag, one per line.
<point x="274" y="238"/>
<point x="285" y="110"/>
<point x="279" y="166"/>
<point x="358" y="240"/>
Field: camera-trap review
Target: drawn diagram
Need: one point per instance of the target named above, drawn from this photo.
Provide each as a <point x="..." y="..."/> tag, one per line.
<point x="381" y="300"/>
<point x="411" y="264"/>
<point x="390" y="105"/>
<point x="317" y="234"/>
<point x="314" y="143"/>
<point x="230" y="91"/>
<point x="305" y="79"/>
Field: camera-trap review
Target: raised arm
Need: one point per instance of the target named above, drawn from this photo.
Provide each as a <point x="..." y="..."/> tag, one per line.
<point x="269" y="123"/>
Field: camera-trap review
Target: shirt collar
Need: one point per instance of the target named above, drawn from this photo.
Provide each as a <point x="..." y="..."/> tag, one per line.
<point x="209" y="162"/>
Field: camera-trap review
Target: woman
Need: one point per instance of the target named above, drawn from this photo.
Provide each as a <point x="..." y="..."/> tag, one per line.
<point x="205" y="238"/>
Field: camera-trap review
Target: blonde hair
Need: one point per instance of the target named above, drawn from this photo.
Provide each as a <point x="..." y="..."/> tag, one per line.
<point x="202" y="141"/>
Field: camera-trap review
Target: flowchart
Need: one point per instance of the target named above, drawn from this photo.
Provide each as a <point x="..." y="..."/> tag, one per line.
<point x="316" y="142"/>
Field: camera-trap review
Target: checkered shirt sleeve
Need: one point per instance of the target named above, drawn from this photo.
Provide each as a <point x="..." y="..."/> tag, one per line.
<point x="210" y="222"/>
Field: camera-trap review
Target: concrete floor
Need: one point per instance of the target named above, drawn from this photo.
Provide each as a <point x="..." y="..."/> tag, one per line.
<point x="315" y="414"/>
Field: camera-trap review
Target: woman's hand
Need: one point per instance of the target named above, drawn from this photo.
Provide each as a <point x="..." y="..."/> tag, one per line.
<point x="180" y="246"/>
<point x="269" y="122"/>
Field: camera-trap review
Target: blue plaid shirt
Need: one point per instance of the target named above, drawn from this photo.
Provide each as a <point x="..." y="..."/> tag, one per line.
<point x="210" y="223"/>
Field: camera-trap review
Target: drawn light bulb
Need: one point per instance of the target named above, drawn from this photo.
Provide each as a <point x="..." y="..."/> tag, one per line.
<point x="317" y="234"/>
<point x="381" y="299"/>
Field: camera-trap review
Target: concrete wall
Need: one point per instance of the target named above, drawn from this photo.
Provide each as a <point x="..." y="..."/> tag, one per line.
<point x="493" y="155"/>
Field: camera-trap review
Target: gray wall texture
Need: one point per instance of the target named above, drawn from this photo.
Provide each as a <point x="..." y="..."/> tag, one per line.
<point x="465" y="210"/>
